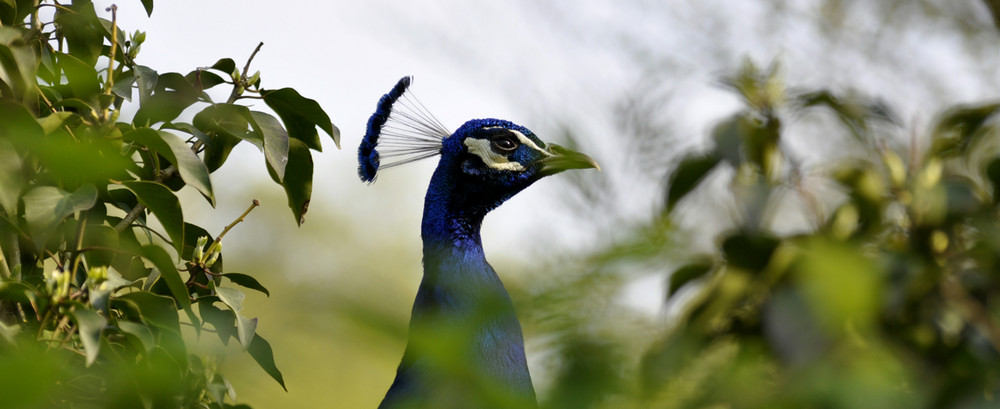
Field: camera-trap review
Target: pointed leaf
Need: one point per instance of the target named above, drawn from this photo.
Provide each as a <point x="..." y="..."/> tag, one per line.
<point x="228" y="119"/>
<point x="226" y="65"/>
<point x="164" y="205"/>
<point x="81" y="77"/>
<point x="45" y="207"/>
<point x="245" y="327"/>
<point x="148" y="5"/>
<point x="89" y="325"/>
<point x="140" y="332"/>
<point x="261" y="352"/>
<point x="958" y="128"/>
<point x="751" y="252"/>
<point x="10" y="177"/>
<point x="686" y="274"/>
<point x="155" y="310"/>
<point x="162" y="106"/>
<point x="689" y="173"/>
<point x="222" y="320"/>
<point x="192" y="170"/>
<point x="298" y="179"/>
<point x="301" y="115"/>
<point x="79" y="25"/>
<point x="168" y="272"/>
<point x="993" y="175"/>
<point x="146" y="78"/>
<point x="204" y="79"/>
<point x="123" y="85"/>
<point x="246" y="281"/>
<point x="275" y="141"/>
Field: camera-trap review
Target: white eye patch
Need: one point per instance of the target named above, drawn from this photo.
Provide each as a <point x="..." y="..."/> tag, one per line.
<point x="481" y="148"/>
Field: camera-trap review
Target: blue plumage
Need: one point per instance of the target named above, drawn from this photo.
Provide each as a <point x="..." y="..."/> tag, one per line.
<point x="465" y="348"/>
<point x="368" y="157"/>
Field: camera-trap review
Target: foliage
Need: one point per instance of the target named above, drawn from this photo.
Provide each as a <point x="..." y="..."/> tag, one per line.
<point x="98" y="304"/>
<point x="891" y="298"/>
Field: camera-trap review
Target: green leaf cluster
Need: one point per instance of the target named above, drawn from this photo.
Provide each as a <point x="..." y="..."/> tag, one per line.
<point x="882" y="291"/>
<point x="98" y="306"/>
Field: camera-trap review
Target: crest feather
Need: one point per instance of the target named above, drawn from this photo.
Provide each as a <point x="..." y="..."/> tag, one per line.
<point x="401" y="130"/>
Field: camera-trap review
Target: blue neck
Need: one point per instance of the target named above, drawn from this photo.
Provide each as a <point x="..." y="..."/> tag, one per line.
<point x="461" y="307"/>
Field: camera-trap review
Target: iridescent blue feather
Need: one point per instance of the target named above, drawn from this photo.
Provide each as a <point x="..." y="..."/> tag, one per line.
<point x="401" y="129"/>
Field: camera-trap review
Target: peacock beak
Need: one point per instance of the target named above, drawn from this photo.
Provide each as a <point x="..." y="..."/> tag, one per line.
<point x="561" y="159"/>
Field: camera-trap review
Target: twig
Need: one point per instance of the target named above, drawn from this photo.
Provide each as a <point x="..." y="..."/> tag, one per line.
<point x="239" y="85"/>
<point x="15" y="256"/>
<point x="253" y="205"/>
<point x="80" y="230"/>
<point x="246" y="68"/>
<point x="111" y="59"/>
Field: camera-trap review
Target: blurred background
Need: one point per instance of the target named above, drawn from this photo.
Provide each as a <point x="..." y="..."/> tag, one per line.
<point x="635" y="84"/>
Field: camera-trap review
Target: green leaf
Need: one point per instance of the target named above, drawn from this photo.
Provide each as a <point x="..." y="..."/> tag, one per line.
<point x="146" y="78"/>
<point x="46" y="206"/>
<point x="750" y="252"/>
<point x="89" y="325"/>
<point x="688" y="174"/>
<point x="686" y="274"/>
<point x="246" y="281"/>
<point x="17" y="65"/>
<point x="301" y="116"/>
<point x="57" y="120"/>
<point x="79" y="25"/>
<point x="855" y="113"/>
<point x="81" y="77"/>
<point x="275" y="141"/>
<point x="155" y="310"/>
<point x="123" y="85"/>
<point x="102" y="240"/>
<point x="148" y="5"/>
<point x="162" y="106"/>
<point x="226" y="125"/>
<point x="958" y="128"/>
<point x="298" y="179"/>
<point x="993" y="175"/>
<point x="230" y="119"/>
<point x="204" y="79"/>
<point x="140" y="332"/>
<point x="226" y="65"/>
<point x="10" y="178"/>
<point x="19" y="126"/>
<point x="222" y="320"/>
<point x="164" y="205"/>
<point x="245" y="327"/>
<point x="261" y="352"/>
<point x="192" y="170"/>
<point x="168" y="272"/>
<point x="17" y="292"/>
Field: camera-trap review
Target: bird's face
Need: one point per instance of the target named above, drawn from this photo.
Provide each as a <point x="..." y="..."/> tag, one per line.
<point x="503" y="157"/>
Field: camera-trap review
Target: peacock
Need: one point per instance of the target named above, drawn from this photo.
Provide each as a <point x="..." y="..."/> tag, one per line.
<point x="465" y="348"/>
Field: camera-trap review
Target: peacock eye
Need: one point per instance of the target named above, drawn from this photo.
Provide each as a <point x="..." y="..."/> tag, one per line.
<point x="503" y="145"/>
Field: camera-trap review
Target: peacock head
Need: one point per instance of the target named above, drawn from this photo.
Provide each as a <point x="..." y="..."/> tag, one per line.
<point x="489" y="158"/>
<point x="501" y="155"/>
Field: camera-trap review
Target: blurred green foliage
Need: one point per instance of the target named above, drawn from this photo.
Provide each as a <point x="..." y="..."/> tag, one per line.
<point x="99" y="305"/>
<point x="886" y="295"/>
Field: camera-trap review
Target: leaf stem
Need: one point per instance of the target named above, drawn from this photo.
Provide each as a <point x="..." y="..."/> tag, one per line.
<point x="111" y="59"/>
<point x="239" y="86"/>
<point x="253" y="205"/>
